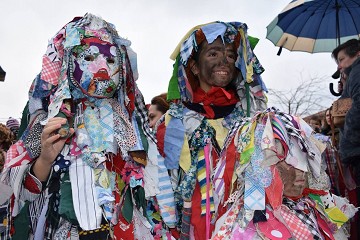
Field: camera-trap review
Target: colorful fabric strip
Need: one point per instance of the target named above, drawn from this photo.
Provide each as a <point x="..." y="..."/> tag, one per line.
<point x="203" y="181"/>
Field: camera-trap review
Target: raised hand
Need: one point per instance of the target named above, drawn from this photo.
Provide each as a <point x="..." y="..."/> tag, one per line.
<point x="51" y="146"/>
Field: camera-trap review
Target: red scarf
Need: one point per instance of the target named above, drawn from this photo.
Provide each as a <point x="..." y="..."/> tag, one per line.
<point x="216" y="96"/>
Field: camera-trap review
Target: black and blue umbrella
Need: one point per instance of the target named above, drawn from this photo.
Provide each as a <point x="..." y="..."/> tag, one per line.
<point x="315" y="25"/>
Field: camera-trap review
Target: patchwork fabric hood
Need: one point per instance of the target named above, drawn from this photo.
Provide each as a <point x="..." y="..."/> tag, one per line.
<point x="246" y="62"/>
<point x="57" y="77"/>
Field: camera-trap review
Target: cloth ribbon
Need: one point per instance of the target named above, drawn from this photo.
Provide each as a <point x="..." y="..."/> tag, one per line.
<point x="215" y="96"/>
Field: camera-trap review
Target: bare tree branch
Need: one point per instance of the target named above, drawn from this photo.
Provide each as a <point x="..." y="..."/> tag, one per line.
<point x="307" y="98"/>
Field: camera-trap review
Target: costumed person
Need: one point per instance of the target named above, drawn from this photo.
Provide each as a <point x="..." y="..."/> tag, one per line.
<point x="216" y="81"/>
<point x="219" y="144"/>
<point x="87" y="166"/>
<point x="14" y="125"/>
<point x="158" y="107"/>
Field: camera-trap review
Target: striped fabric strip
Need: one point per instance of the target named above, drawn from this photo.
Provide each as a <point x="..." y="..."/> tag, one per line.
<point x="16" y="181"/>
<point x="86" y="206"/>
<point x="185" y="224"/>
<point x="207" y="152"/>
<point x="35" y="209"/>
<point x="218" y="177"/>
<point x="165" y="197"/>
<point x="279" y="129"/>
<point x="201" y="176"/>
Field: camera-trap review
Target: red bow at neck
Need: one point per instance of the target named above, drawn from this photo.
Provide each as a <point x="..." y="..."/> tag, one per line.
<point x="216" y="96"/>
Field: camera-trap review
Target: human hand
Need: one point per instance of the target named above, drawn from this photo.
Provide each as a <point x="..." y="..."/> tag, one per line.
<point x="340" y="86"/>
<point x="51" y="141"/>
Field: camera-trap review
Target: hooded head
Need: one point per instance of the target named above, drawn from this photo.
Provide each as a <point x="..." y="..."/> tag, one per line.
<point x="237" y="49"/>
<point x="86" y="59"/>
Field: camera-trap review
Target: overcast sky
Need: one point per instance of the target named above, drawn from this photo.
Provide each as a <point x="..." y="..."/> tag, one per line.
<point x="154" y="27"/>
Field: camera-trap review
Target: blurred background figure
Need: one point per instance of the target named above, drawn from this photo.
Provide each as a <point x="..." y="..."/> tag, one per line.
<point x="326" y="123"/>
<point x="157" y="109"/>
<point x="315" y="123"/>
<point x="14" y="126"/>
<point x="6" y="139"/>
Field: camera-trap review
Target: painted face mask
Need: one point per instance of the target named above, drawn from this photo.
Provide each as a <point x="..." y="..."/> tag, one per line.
<point x="96" y="66"/>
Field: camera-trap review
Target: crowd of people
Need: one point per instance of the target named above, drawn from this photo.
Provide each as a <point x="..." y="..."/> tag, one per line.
<point x="208" y="159"/>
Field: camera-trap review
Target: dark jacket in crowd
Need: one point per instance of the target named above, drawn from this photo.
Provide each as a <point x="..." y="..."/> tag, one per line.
<point x="350" y="133"/>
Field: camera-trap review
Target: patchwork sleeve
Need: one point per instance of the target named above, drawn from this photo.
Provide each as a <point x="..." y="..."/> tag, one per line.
<point x="25" y="185"/>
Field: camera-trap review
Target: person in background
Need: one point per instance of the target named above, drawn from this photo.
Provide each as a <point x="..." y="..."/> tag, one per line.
<point x="346" y="56"/>
<point x="157" y="109"/>
<point x="14" y="125"/>
<point x="315" y="123"/>
<point x="326" y="123"/>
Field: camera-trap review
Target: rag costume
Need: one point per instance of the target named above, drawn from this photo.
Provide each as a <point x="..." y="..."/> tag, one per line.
<point x="107" y="175"/>
<point x="221" y="148"/>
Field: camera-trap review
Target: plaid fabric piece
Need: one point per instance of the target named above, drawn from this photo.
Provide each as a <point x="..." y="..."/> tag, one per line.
<point x="292" y="130"/>
<point x="185" y="89"/>
<point x="331" y="167"/>
<point x="51" y="62"/>
<point x="254" y="196"/>
<point x="50" y="71"/>
<point x="306" y="214"/>
<point x="7" y="219"/>
<point x="79" y="22"/>
<point x="298" y="229"/>
<point x="187" y="48"/>
<point x="141" y="112"/>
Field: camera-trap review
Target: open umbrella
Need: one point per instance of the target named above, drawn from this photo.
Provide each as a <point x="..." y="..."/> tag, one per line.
<point x="315" y="25"/>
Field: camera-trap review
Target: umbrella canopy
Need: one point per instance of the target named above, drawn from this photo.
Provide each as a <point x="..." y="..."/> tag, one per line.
<point x="315" y="25"/>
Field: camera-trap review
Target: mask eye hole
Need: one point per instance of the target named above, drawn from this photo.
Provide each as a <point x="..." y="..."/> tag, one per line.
<point x="110" y="60"/>
<point x="89" y="58"/>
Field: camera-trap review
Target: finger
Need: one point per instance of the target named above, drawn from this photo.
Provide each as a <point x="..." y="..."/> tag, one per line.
<point x="52" y="139"/>
<point x="72" y="131"/>
<point x="55" y="119"/>
<point x="55" y="122"/>
<point x="51" y="128"/>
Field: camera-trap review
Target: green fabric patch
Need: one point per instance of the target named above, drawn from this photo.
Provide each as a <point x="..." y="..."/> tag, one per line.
<point x="173" y="89"/>
<point x="24" y="120"/>
<point x="139" y="197"/>
<point x="66" y="207"/>
<point x="127" y="208"/>
<point x="253" y="41"/>
<point x="22" y="224"/>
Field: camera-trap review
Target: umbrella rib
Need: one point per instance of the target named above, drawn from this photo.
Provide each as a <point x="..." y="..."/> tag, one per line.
<point x="317" y="32"/>
<point x="322" y="19"/>
<point x="352" y="18"/>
